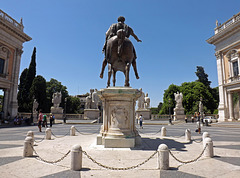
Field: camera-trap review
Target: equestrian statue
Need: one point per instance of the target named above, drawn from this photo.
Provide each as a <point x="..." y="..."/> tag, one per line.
<point x="119" y="51"/>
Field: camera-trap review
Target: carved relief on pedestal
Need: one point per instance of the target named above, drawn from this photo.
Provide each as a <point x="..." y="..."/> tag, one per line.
<point x="119" y="117"/>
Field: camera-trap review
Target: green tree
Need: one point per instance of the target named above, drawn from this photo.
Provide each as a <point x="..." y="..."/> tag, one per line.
<point x="202" y="76"/>
<point x="73" y="105"/>
<point x="192" y="91"/>
<point x="38" y="90"/>
<point x="26" y="80"/>
<point x="22" y="93"/>
<point x="157" y="109"/>
<point x="54" y="86"/>
<point x="169" y="97"/>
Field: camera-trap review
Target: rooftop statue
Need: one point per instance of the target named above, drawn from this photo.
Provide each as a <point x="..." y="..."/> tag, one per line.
<point x="119" y="51"/>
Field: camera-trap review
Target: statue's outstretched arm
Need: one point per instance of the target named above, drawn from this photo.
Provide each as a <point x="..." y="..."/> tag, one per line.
<point x="135" y="36"/>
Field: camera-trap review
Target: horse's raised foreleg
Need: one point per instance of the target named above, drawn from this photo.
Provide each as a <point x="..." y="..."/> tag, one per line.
<point x="134" y="64"/>
<point x="103" y="67"/>
<point x="127" y="68"/>
<point x="109" y="74"/>
<point x="114" y="77"/>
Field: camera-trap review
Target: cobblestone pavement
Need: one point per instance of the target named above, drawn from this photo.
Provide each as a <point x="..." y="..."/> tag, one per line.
<point x="225" y="136"/>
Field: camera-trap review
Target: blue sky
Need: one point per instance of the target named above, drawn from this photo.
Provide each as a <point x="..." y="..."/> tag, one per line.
<point x="69" y="36"/>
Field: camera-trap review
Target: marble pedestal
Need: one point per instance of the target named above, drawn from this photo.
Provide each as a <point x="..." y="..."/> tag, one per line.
<point x="58" y="112"/>
<point x="91" y="114"/>
<point x="118" y="129"/>
<point x="35" y="117"/>
<point x="179" y="114"/>
<point x="146" y="113"/>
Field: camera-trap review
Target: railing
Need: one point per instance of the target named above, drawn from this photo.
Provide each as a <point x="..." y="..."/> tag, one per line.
<point x="162" y="117"/>
<point x="6" y="18"/>
<point x="234" y="78"/>
<point x="68" y="116"/>
<point x="226" y="24"/>
<point x="75" y="116"/>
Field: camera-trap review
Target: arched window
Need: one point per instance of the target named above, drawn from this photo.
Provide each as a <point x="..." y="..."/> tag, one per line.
<point x="233" y="59"/>
<point x="2" y="63"/>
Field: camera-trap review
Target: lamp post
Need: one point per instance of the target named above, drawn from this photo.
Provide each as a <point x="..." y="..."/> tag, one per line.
<point x="170" y="119"/>
<point x="65" y="110"/>
<point x="200" y="115"/>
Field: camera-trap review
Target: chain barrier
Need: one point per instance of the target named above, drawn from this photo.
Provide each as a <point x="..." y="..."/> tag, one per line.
<point x="195" y="140"/>
<point x="50" y="162"/>
<point x="148" y="134"/>
<point x="40" y="140"/>
<point x="120" y="168"/>
<point x="60" y="136"/>
<point x="186" y="162"/>
<point x="87" y="133"/>
<point x="178" y="136"/>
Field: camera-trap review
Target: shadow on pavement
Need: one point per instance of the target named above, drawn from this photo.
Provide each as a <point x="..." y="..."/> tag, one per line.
<point x="153" y="144"/>
<point x="230" y="160"/>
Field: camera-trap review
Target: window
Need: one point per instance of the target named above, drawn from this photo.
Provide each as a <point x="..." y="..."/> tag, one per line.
<point x="2" y="62"/>
<point x="235" y="68"/>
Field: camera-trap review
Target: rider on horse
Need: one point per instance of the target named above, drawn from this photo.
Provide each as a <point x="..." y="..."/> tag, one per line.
<point x="112" y="31"/>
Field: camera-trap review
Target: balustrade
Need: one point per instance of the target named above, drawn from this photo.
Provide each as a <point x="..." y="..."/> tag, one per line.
<point x="226" y="24"/>
<point x="6" y="18"/>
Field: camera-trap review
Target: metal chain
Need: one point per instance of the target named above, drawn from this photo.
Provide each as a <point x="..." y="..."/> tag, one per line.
<point x="40" y="140"/>
<point x="185" y="162"/>
<point x="51" y="162"/>
<point x="195" y="140"/>
<point x="178" y="136"/>
<point x="60" y="136"/>
<point x="87" y="133"/>
<point x="121" y="168"/>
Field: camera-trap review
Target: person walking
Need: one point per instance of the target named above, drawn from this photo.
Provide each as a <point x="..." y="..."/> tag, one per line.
<point x="40" y="118"/>
<point x="141" y="121"/>
<point x="44" y="121"/>
<point x="51" y="119"/>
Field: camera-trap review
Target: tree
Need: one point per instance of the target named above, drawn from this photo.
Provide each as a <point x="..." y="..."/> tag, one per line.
<point x="73" y="105"/>
<point x="156" y="110"/>
<point x="22" y="93"/>
<point x="38" y="90"/>
<point x="192" y="91"/>
<point x="54" y="86"/>
<point x="169" y="96"/>
<point x="202" y="76"/>
<point x="25" y="84"/>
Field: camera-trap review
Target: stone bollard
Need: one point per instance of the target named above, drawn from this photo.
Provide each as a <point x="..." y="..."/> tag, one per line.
<point x="28" y="147"/>
<point x="48" y="134"/>
<point x="72" y="131"/>
<point x="188" y="135"/>
<point x="76" y="158"/>
<point x="205" y="135"/>
<point x="209" y="150"/>
<point x="163" y="157"/>
<point x="30" y="134"/>
<point x="163" y="131"/>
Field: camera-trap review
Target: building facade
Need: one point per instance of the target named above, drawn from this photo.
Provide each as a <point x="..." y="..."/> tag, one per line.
<point x="227" y="42"/>
<point x="12" y="38"/>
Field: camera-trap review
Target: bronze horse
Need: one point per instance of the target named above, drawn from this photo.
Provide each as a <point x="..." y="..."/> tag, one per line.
<point x="120" y="55"/>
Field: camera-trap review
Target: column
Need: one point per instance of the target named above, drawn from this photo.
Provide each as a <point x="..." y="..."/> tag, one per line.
<point x="13" y="93"/>
<point x="220" y="70"/>
<point x="230" y="104"/>
<point x="239" y="106"/>
<point x="5" y="103"/>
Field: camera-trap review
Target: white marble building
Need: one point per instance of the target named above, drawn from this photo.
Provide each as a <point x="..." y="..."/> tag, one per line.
<point x="12" y="38"/>
<point x="227" y="42"/>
